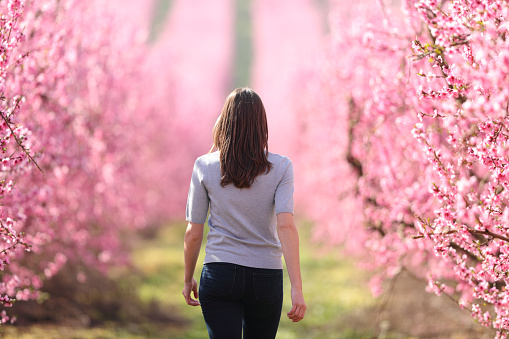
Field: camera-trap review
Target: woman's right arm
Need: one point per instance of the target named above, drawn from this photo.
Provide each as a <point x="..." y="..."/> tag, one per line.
<point x="192" y="244"/>
<point x="289" y="238"/>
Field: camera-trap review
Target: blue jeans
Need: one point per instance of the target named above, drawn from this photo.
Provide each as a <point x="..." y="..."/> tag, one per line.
<point x="237" y="299"/>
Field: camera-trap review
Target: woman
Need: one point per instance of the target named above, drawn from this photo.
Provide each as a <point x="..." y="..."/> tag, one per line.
<point x="250" y="195"/>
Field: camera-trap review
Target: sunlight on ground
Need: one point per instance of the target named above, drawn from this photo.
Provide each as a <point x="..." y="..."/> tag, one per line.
<point x="333" y="288"/>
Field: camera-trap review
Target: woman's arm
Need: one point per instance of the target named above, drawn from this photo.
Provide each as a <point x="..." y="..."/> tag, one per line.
<point x="289" y="237"/>
<point x="192" y="245"/>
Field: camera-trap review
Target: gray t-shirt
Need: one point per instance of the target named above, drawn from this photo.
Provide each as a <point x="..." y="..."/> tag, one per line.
<point x="242" y="222"/>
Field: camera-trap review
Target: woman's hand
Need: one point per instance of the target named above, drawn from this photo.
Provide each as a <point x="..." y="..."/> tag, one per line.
<point x="298" y="305"/>
<point x="186" y="292"/>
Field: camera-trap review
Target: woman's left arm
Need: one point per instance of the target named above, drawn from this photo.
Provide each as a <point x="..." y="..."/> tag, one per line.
<point x="192" y="245"/>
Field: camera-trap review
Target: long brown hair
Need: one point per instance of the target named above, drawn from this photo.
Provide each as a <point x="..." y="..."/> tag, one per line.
<point x="241" y="136"/>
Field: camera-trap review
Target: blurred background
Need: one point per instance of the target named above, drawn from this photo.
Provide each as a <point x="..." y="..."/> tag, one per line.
<point x="195" y="53"/>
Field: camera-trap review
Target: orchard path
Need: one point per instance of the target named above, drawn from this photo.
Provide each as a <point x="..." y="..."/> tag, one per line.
<point x="271" y="50"/>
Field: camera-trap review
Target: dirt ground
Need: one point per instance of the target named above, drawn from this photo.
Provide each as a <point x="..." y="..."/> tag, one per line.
<point x="407" y="312"/>
<point x="410" y="312"/>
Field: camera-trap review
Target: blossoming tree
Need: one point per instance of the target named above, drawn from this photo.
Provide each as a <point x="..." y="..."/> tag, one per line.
<point x="16" y="153"/>
<point x="95" y="144"/>
<point x="71" y="165"/>
<point x="416" y="103"/>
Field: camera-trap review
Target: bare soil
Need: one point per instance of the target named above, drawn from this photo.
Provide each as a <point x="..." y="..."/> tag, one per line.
<point x="410" y="312"/>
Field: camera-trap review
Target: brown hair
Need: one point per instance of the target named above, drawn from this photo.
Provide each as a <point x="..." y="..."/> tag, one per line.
<point x="241" y="136"/>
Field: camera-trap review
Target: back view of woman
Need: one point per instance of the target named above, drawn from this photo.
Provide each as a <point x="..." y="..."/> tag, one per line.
<point x="249" y="193"/>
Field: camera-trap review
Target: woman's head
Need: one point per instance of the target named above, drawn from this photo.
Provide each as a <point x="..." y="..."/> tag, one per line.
<point x="241" y="136"/>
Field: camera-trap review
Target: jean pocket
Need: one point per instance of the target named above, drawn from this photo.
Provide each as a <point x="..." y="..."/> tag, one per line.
<point x="217" y="279"/>
<point x="268" y="287"/>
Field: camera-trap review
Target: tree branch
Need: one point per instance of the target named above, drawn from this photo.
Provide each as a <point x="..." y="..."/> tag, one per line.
<point x="353" y="121"/>
<point x="471" y="231"/>
<point x="20" y="144"/>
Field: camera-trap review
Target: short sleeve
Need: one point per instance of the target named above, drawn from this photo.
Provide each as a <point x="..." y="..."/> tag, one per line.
<point x="198" y="197"/>
<point x="284" y="191"/>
